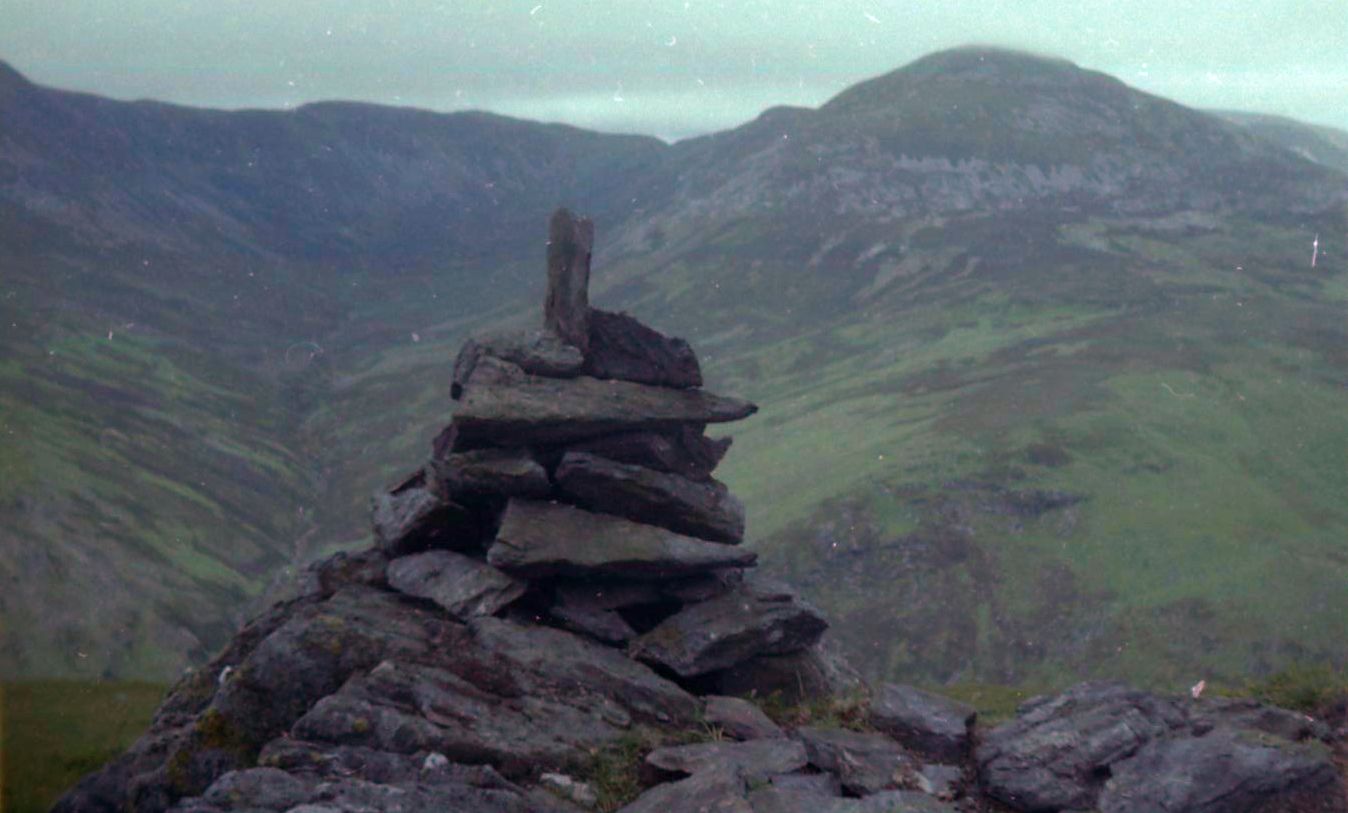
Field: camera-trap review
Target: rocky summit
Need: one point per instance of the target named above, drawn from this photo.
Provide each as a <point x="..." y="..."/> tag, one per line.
<point x="558" y="615"/>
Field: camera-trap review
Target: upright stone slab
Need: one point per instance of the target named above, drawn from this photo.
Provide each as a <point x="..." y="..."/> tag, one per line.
<point x="566" y="311"/>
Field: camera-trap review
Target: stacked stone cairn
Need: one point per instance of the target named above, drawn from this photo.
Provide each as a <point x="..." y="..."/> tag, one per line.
<point x="558" y="616"/>
<point x="574" y="486"/>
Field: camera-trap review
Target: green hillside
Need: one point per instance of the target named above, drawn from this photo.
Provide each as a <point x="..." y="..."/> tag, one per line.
<point x="1048" y="385"/>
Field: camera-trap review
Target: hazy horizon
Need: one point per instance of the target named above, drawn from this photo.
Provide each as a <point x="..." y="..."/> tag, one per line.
<point x="671" y="70"/>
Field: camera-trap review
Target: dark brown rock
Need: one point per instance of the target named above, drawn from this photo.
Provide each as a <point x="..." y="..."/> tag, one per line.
<point x="544" y="539"/>
<point x="464" y="587"/>
<point x="504" y="405"/>
<point x="538" y="352"/>
<point x="703" y="509"/>
<point x="623" y="348"/>
<point x="566" y="311"/>
<point x="930" y="725"/>
<point x="755" y="618"/>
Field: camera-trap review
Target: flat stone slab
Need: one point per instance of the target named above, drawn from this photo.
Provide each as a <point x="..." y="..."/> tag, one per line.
<point x="412" y="518"/>
<point x="464" y="587"/>
<point x="546" y="539"/>
<point x="755" y="618"/>
<point x="685" y="451"/>
<point x="719" y="790"/>
<point x="818" y="671"/>
<point x="538" y="352"/>
<point x="931" y="725"/>
<point x="500" y="405"/>
<point x="500" y="472"/>
<point x="865" y="762"/>
<point x="703" y="509"/>
<point x="789" y="800"/>
<point x="740" y="719"/>
<point x="757" y="760"/>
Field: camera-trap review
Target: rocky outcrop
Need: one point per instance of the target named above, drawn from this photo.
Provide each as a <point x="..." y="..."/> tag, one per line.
<point x="553" y="615"/>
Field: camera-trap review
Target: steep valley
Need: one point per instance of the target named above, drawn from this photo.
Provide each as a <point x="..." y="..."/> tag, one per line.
<point x="1049" y="386"/>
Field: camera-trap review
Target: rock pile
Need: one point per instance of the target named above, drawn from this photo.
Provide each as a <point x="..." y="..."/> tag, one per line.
<point x="557" y="615"/>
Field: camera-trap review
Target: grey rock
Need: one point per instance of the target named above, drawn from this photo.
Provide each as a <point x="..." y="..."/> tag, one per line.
<point x="757" y="760"/>
<point x="367" y="567"/>
<point x="500" y="472"/>
<point x="554" y="662"/>
<point x="507" y="406"/>
<point x="538" y="352"/>
<point x="562" y="785"/>
<point x="1057" y="753"/>
<point x="702" y="509"/>
<point x="411" y="518"/>
<point x="719" y="790"/>
<point x="464" y="587"/>
<point x="257" y="787"/>
<point x="864" y="762"/>
<point x="1226" y="771"/>
<point x="931" y="725"/>
<point x="685" y="451"/>
<point x="1250" y="714"/>
<point x="543" y="539"/>
<point x="814" y="784"/>
<point x="406" y="708"/>
<point x="791" y="800"/>
<point x="607" y="594"/>
<point x="739" y="719"/>
<point x="328" y="761"/>
<point x="593" y="620"/>
<point x="623" y="348"/>
<point x="753" y="619"/>
<point x="817" y="672"/>
<point x="941" y="781"/>
<point x="566" y="310"/>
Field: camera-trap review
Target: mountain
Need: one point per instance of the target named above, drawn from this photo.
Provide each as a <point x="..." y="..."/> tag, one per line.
<point x="1049" y="386"/>
<point x="1323" y="145"/>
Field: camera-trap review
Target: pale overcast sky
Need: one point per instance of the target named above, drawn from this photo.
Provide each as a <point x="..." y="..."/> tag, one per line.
<point x="670" y="68"/>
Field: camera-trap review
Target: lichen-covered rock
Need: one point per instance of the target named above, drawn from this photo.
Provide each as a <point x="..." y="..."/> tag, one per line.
<point x="790" y="800"/>
<point x="928" y="724"/>
<point x="757" y="760"/>
<point x="740" y="719"/>
<point x="755" y="618"/>
<point x="718" y="790"/>
<point x="704" y="509"/>
<point x="544" y="539"/>
<point x="463" y="586"/>
<point x="1058" y="752"/>
<point x="1225" y="771"/>
<point x="864" y="762"/>
<point x="814" y="673"/>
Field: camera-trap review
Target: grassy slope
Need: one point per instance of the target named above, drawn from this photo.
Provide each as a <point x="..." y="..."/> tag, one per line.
<point x="1198" y="409"/>
<point x="53" y="732"/>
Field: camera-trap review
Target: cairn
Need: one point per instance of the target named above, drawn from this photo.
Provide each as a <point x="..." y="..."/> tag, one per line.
<point x="574" y="484"/>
